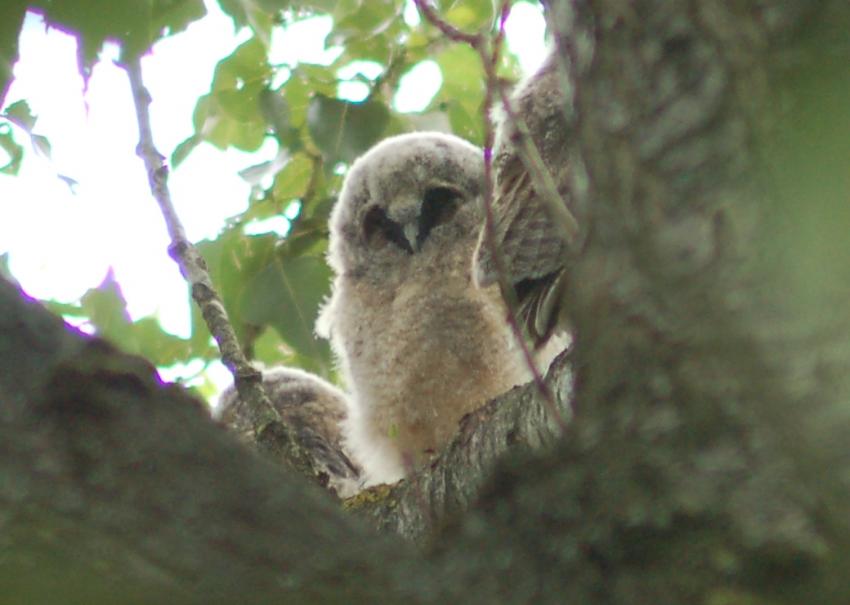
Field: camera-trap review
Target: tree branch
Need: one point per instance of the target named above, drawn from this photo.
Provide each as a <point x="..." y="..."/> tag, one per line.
<point x="269" y="431"/>
<point x="518" y="421"/>
<point x="114" y="484"/>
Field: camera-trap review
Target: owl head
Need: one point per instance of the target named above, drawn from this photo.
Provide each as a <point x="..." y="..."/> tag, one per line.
<point x="410" y="200"/>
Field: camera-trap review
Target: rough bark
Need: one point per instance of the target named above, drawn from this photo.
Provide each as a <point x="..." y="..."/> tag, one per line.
<point x="113" y="484"/>
<point x="704" y="461"/>
<point x="519" y="421"/>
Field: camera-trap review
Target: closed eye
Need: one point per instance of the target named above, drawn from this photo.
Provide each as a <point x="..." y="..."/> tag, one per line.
<point x="439" y="206"/>
<point x="379" y="230"/>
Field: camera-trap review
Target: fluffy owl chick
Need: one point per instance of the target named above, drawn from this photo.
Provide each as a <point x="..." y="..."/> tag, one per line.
<point x="532" y="246"/>
<point x="418" y="343"/>
<point x="315" y="409"/>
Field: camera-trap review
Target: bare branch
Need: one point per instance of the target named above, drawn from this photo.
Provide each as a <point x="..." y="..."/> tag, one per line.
<point x="450" y="31"/>
<point x="248" y="380"/>
<point x="530" y="155"/>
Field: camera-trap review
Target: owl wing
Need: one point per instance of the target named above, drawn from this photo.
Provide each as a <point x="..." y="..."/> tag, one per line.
<point x="532" y="250"/>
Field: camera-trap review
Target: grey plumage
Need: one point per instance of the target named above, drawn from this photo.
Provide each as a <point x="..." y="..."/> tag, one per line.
<point x="532" y="246"/>
<point x="315" y="409"/>
<point x="418" y="344"/>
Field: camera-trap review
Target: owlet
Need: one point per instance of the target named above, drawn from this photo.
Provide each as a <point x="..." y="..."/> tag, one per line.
<point x="315" y="409"/>
<point x="418" y="344"/>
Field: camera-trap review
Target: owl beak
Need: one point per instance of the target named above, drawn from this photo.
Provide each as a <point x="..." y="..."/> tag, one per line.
<point x="411" y="234"/>
<point x="406" y="216"/>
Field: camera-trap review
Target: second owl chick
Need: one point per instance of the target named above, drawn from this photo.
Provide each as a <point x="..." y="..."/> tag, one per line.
<point x="315" y="409"/>
<point x="419" y="345"/>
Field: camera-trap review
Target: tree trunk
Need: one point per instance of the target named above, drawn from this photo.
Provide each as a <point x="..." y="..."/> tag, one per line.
<point x="705" y="461"/>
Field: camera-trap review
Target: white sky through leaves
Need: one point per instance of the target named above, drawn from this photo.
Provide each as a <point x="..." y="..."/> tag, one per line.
<point x="63" y="237"/>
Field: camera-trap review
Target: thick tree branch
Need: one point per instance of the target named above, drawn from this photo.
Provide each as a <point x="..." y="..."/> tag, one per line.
<point x="519" y="421"/>
<point x="113" y="484"/>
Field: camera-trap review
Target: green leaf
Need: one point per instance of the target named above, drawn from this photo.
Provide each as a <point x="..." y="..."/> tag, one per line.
<point x="275" y="111"/>
<point x="297" y="92"/>
<point x="137" y="25"/>
<point x="319" y="6"/>
<point x="248" y="137"/>
<point x="173" y="16"/>
<point x="14" y="152"/>
<point x="262" y="285"/>
<point x="344" y="8"/>
<point x="368" y="20"/>
<point x="224" y="131"/>
<point x="11" y="18"/>
<point x="182" y="151"/>
<point x="271" y="6"/>
<point x="106" y="307"/>
<point x="259" y="15"/>
<point x="158" y="346"/>
<point x="286" y="294"/>
<point x="309" y="237"/>
<point x="64" y="309"/>
<point x="231" y="114"/>
<point x="462" y="92"/>
<point x="19" y="113"/>
<point x="41" y="144"/>
<point x="293" y="180"/>
<point x="380" y="48"/>
<point x="320" y="209"/>
<point x="271" y="348"/>
<point x="470" y="15"/>
<point x="344" y="130"/>
<point x="203" y="109"/>
<point x="247" y="64"/>
<point x="237" y="11"/>
<point x="319" y="79"/>
<point x="464" y="124"/>
<point x="242" y="105"/>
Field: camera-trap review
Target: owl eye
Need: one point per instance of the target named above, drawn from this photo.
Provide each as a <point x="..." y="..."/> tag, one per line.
<point x="438" y="206"/>
<point x="379" y="230"/>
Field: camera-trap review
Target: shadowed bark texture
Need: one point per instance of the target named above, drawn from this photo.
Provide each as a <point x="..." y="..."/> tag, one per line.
<point x="705" y="459"/>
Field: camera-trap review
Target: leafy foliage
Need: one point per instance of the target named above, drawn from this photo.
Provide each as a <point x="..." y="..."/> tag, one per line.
<point x="136" y="24"/>
<point x="273" y="286"/>
<point x="20" y="115"/>
<point x="105" y="310"/>
<point x="11" y="17"/>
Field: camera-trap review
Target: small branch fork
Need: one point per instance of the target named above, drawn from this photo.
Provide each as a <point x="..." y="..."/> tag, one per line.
<point x="489" y="49"/>
<point x="248" y="380"/>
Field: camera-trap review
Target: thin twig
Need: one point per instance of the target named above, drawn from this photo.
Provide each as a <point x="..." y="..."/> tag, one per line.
<point x="541" y="178"/>
<point x="489" y="51"/>
<point x="450" y="31"/>
<point x="248" y="380"/>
